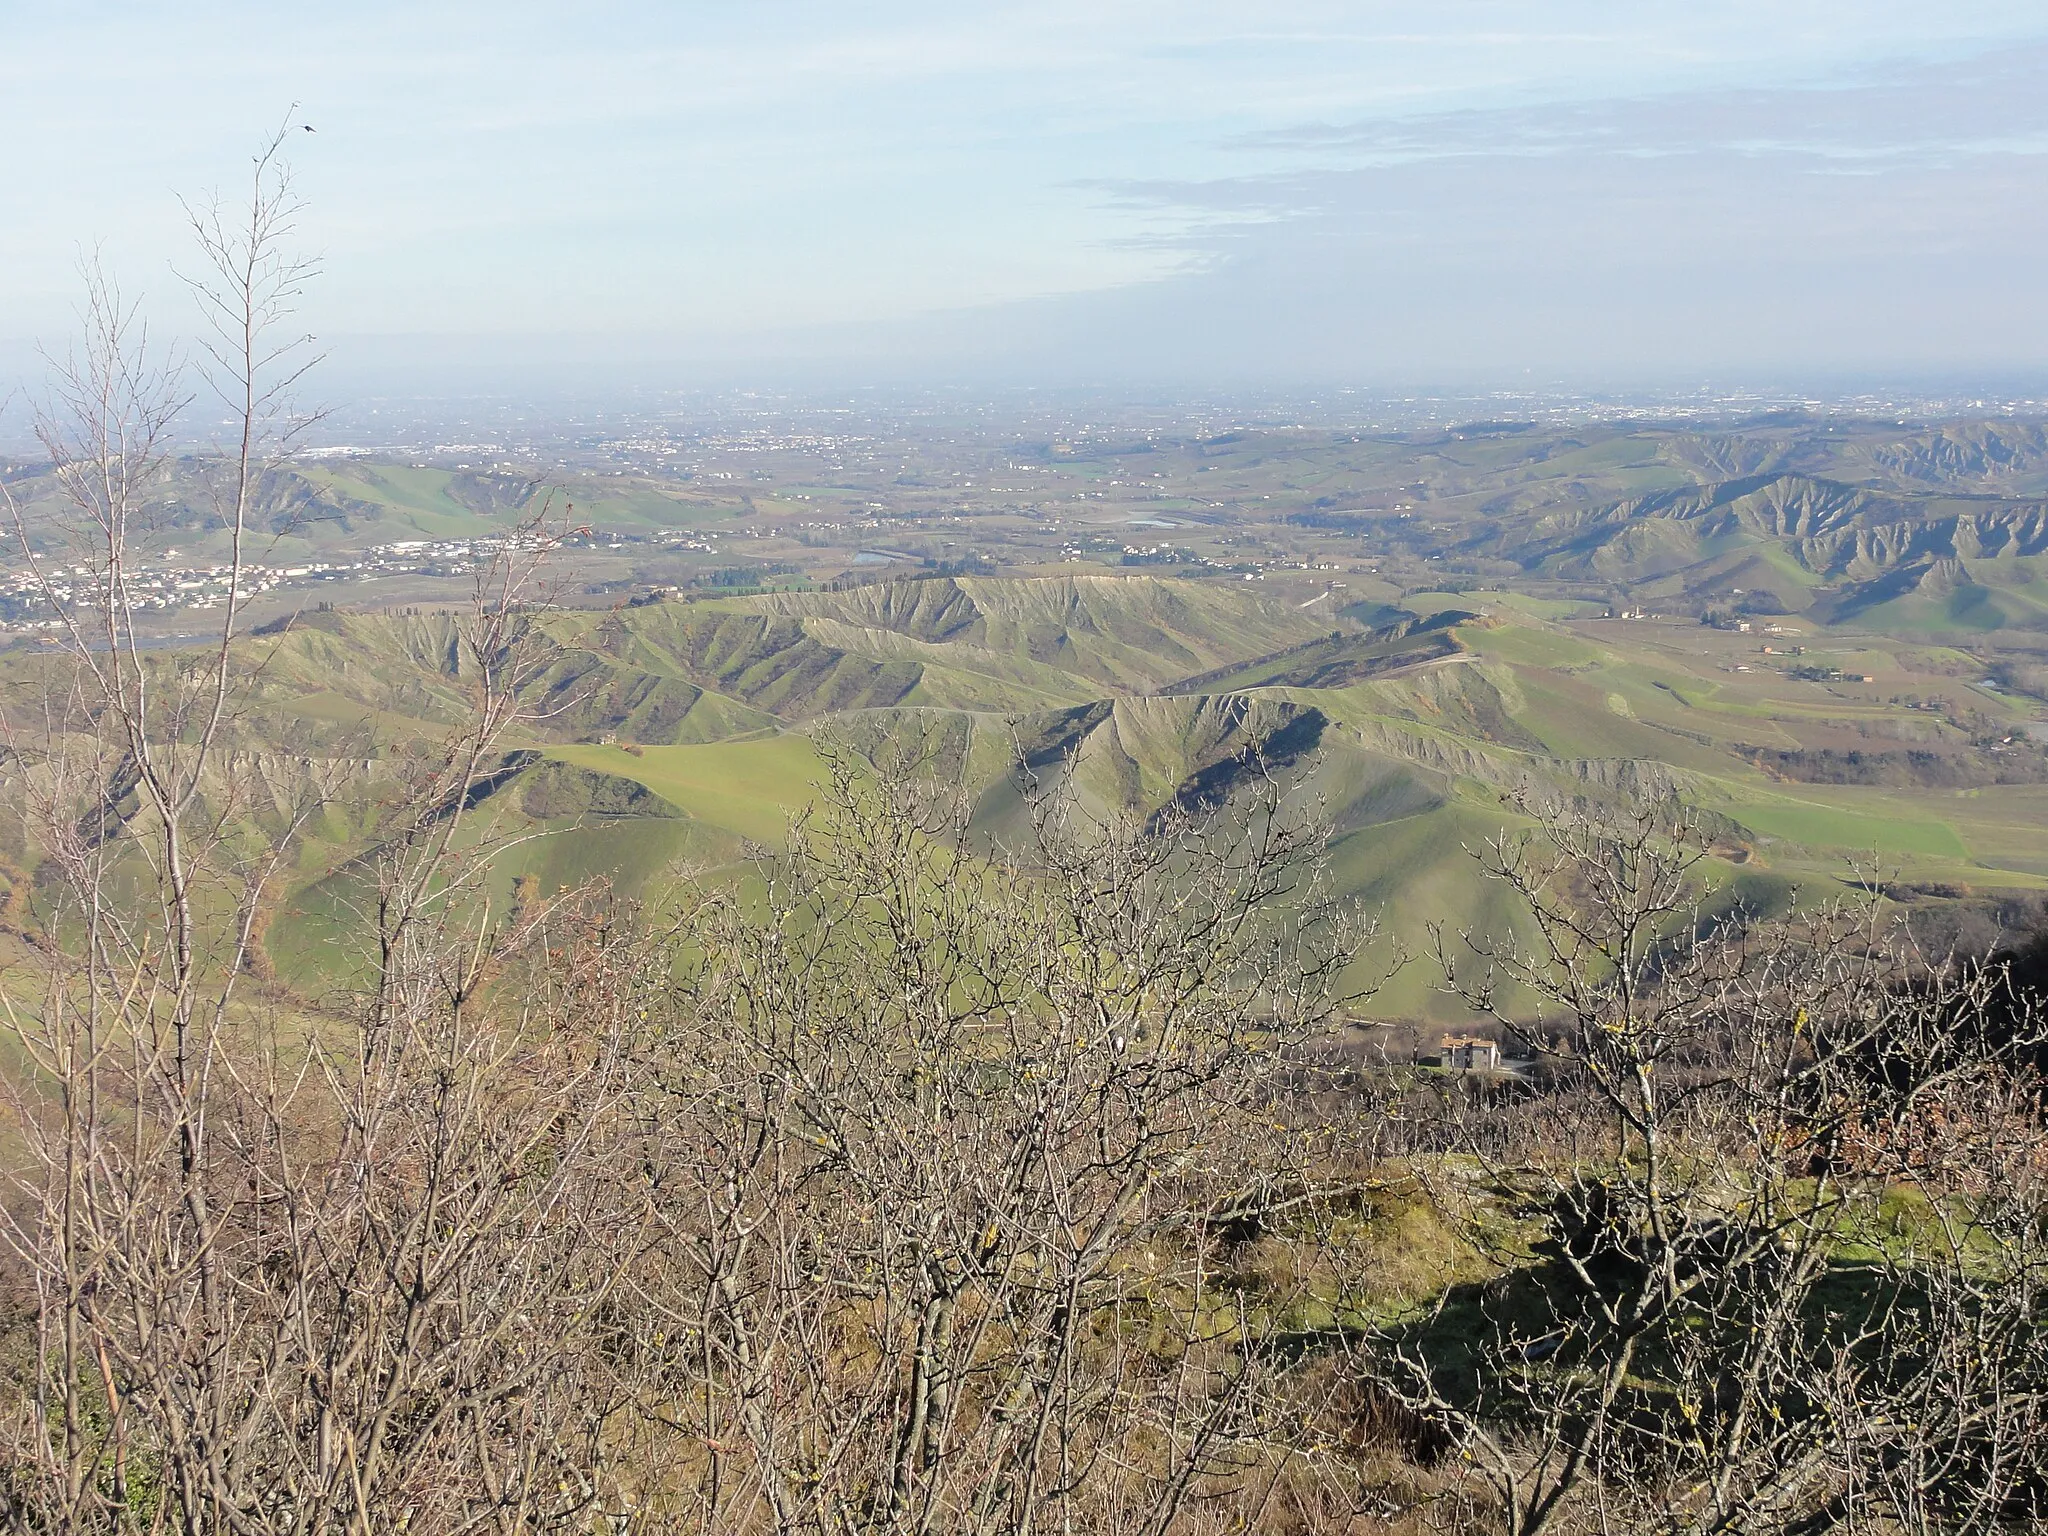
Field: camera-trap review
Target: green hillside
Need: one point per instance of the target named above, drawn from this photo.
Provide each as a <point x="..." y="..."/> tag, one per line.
<point x="675" y="736"/>
<point x="323" y="506"/>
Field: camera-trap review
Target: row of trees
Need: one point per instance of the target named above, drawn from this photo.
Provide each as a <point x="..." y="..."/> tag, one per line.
<point x="929" y="1183"/>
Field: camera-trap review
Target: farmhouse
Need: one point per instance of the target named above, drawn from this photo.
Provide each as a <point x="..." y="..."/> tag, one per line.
<point x="1468" y="1053"/>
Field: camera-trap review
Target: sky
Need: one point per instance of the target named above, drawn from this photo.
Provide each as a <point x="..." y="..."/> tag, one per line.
<point x="1289" y="191"/>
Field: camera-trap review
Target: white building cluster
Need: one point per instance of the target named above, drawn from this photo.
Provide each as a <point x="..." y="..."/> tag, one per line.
<point x="166" y="585"/>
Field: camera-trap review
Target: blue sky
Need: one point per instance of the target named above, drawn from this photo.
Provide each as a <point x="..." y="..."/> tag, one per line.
<point x="1070" y="192"/>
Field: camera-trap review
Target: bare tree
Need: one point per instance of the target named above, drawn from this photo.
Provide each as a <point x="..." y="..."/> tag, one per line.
<point x="126" y="792"/>
<point x="1767" y="1241"/>
<point x="285" y="1267"/>
<point x="954" y="1136"/>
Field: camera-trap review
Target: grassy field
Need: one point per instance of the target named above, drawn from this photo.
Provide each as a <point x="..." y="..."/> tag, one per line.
<point x="1412" y="875"/>
<point x="437" y="500"/>
<point x="1821" y="826"/>
<point x="747" y="787"/>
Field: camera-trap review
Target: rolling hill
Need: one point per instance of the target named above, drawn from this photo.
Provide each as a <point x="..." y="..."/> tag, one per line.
<point x="678" y="736"/>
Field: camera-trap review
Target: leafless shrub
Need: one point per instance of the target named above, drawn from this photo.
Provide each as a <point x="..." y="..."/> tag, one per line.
<point x="1778" y="1261"/>
<point x="290" y="1272"/>
<point x="957" y="1136"/>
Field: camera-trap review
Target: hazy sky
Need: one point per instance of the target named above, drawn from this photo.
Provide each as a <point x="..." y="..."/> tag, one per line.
<point x="1066" y="192"/>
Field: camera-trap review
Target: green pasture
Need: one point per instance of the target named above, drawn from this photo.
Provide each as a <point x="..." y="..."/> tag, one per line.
<point x="750" y="787"/>
<point x="1531" y="646"/>
<point x="1824" y="826"/>
<point x="1991" y="837"/>
<point x="425" y="498"/>
<point x="1555" y="608"/>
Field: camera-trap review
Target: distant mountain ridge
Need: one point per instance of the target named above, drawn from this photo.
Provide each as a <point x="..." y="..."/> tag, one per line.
<point x="1865" y="545"/>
